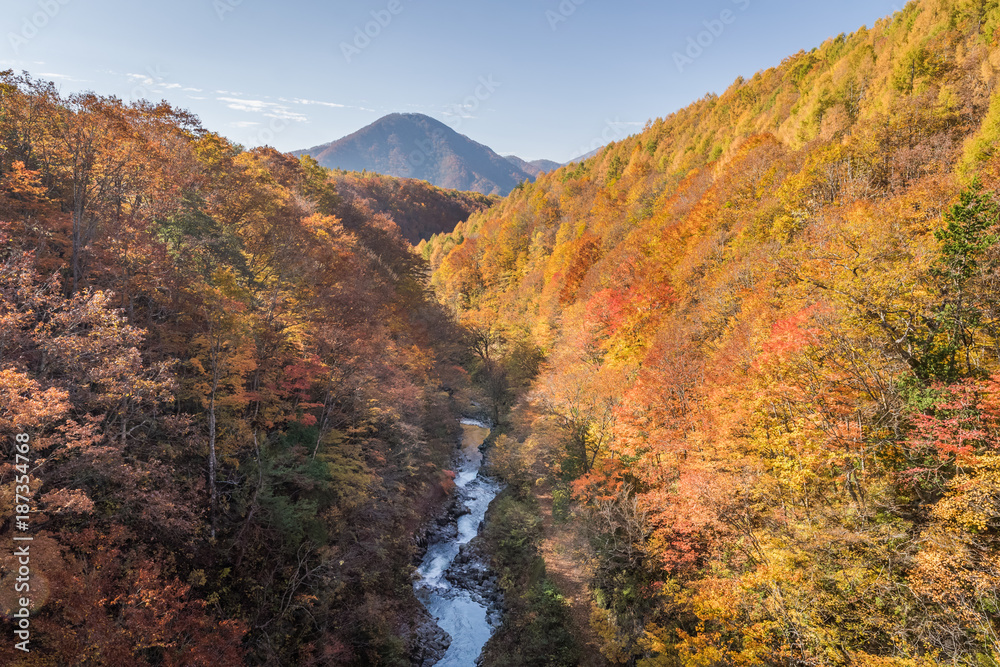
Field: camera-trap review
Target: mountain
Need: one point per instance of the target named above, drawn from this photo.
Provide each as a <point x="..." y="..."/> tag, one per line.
<point x="535" y="167"/>
<point x="418" y="146"/>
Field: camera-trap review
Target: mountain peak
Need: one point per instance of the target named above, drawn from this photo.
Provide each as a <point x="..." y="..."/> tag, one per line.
<point x="413" y="145"/>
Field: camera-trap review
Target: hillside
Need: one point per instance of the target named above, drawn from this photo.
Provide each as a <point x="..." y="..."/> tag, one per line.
<point x="770" y="332"/>
<point x="417" y="146"/>
<point x="419" y="209"/>
<point x="224" y="381"/>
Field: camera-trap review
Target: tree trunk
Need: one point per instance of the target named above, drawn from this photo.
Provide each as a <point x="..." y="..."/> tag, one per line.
<point x="323" y="422"/>
<point x="213" y="495"/>
<point x="77" y="234"/>
<point x="211" y="463"/>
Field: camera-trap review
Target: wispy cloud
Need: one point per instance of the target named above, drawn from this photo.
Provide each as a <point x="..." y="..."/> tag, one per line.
<point x="297" y="100"/>
<point x="244" y="105"/>
<point x="268" y="109"/>
<point x="332" y="105"/>
<point x="144" y="79"/>
<point x="18" y="64"/>
<point x="458" y="112"/>
<point x="153" y="82"/>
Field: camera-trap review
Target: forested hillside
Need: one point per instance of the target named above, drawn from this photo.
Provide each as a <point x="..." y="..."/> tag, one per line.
<point x="770" y="325"/>
<point x="419" y="209"/>
<point x="236" y="387"/>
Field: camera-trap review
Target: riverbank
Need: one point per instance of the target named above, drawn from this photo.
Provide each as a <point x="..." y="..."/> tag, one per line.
<point x="536" y="626"/>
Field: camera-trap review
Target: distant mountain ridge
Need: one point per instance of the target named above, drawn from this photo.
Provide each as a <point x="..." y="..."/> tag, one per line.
<point x="586" y="156"/>
<point x="417" y="146"/>
<point x="535" y="167"/>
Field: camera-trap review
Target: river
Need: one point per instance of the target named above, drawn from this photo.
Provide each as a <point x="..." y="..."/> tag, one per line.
<point x="458" y="611"/>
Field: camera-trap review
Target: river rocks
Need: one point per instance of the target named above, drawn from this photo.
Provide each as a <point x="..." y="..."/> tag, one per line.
<point x="442" y="527"/>
<point x="428" y="643"/>
<point x="470" y="571"/>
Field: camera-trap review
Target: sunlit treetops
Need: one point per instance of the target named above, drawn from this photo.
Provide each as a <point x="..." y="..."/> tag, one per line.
<point x="232" y="377"/>
<point x="770" y="335"/>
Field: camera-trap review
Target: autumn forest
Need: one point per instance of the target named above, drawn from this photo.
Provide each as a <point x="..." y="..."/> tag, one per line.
<point x="742" y="371"/>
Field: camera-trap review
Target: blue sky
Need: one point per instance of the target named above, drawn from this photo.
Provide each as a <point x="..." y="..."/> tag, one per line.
<point x="536" y="78"/>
